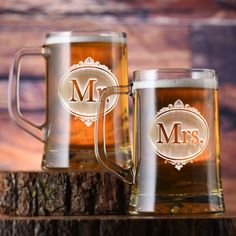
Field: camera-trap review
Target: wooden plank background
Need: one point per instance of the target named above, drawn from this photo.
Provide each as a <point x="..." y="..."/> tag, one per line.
<point x="173" y="33"/>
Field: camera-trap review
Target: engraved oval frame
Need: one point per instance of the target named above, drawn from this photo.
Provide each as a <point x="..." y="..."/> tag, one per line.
<point x="82" y="65"/>
<point x="187" y="109"/>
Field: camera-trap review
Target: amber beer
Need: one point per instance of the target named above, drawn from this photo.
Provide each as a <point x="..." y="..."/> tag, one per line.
<point x="176" y="144"/>
<point x="180" y="183"/>
<point x="79" y="66"/>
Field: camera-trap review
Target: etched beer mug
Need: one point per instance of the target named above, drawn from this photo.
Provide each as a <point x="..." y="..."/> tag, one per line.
<point x="79" y="65"/>
<point x="175" y="168"/>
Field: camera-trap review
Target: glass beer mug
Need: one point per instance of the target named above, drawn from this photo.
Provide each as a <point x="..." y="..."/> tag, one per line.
<point x="79" y="65"/>
<point x="175" y="168"/>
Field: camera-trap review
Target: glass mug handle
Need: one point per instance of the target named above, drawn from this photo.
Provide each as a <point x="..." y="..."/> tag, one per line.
<point x="126" y="174"/>
<point x="13" y="93"/>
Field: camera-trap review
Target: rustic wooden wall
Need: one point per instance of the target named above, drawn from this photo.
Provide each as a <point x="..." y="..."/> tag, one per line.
<point x="173" y="33"/>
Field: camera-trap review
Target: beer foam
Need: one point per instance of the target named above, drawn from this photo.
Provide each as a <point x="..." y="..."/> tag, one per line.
<point x="68" y="37"/>
<point x="210" y="83"/>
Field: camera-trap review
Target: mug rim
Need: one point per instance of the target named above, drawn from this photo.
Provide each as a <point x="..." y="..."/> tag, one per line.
<point x="175" y="77"/>
<point x="57" y="37"/>
<point x="175" y="70"/>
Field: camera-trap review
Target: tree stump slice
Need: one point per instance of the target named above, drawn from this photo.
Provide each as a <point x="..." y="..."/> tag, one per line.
<point x="88" y="203"/>
<point x="62" y="193"/>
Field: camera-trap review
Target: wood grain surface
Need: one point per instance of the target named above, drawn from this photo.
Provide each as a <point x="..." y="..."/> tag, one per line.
<point x="62" y="193"/>
<point x="100" y="226"/>
<point x="160" y="34"/>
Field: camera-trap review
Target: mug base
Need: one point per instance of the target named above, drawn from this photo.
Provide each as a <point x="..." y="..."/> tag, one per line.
<point x="196" y="204"/>
<point x="82" y="160"/>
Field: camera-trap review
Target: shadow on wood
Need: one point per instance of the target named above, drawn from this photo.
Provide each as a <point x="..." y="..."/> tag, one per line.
<point x="118" y="226"/>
